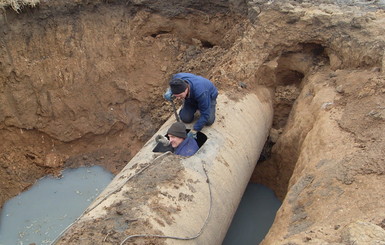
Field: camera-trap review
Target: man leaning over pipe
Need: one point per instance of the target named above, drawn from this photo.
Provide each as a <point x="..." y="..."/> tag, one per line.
<point x="198" y="93"/>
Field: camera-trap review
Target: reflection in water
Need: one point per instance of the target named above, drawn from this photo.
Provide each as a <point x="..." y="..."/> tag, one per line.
<point x="41" y="213"/>
<point x="254" y="216"/>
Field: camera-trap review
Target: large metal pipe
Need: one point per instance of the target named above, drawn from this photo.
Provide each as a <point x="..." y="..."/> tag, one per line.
<point x="192" y="198"/>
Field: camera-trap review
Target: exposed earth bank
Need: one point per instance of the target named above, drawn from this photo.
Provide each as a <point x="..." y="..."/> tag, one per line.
<point x="81" y="83"/>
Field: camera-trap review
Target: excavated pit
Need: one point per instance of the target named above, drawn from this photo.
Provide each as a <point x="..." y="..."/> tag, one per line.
<point x="92" y="94"/>
<point x="290" y="72"/>
<point x="81" y="83"/>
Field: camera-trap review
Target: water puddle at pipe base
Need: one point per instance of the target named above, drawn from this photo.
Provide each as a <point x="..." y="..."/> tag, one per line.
<point x="254" y="216"/>
<point x="40" y="214"/>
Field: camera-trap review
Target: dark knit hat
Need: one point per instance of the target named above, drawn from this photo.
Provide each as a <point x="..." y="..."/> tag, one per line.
<point x="178" y="129"/>
<point x="177" y="85"/>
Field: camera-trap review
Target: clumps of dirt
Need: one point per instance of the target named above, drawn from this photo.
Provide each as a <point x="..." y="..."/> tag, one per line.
<point x="17" y="5"/>
<point x="363" y="117"/>
<point x="162" y="170"/>
<point x="113" y="159"/>
<point x="284" y="98"/>
<point x="382" y="224"/>
<point x="22" y="164"/>
<point x="363" y="103"/>
<point x="126" y="216"/>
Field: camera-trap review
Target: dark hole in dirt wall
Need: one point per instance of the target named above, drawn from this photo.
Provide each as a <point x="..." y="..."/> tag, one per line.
<point x="290" y="74"/>
<point x="207" y="44"/>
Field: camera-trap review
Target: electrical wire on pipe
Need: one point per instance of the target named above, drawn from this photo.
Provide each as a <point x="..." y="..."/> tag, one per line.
<point x="104" y="198"/>
<point x="180" y="238"/>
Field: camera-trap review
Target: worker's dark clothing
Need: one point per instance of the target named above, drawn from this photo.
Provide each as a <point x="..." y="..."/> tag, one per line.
<point x="187" y="148"/>
<point x="202" y="96"/>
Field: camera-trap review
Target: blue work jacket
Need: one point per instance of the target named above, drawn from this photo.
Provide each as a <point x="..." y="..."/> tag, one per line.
<point x="202" y="93"/>
<point x="187" y="148"/>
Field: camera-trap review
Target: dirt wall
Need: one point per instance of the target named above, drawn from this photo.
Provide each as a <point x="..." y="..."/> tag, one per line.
<point x="81" y="83"/>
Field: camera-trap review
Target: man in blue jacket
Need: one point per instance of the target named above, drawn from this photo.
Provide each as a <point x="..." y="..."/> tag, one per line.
<point x="182" y="145"/>
<point x="198" y="93"/>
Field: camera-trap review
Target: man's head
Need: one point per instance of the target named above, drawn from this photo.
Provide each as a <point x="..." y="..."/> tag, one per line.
<point x="179" y="88"/>
<point x="176" y="133"/>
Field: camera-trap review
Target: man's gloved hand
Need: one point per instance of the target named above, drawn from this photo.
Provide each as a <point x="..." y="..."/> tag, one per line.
<point x="168" y="95"/>
<point x="162" y="139"/>
<point x="192" y="134"/>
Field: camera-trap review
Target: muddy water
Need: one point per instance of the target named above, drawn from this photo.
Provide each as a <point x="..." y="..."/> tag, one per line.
<point x="254" y="216"/>
<point x="41" y="213"/>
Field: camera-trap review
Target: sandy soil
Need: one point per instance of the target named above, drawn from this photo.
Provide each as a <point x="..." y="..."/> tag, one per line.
<point x="81" y="83"/>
